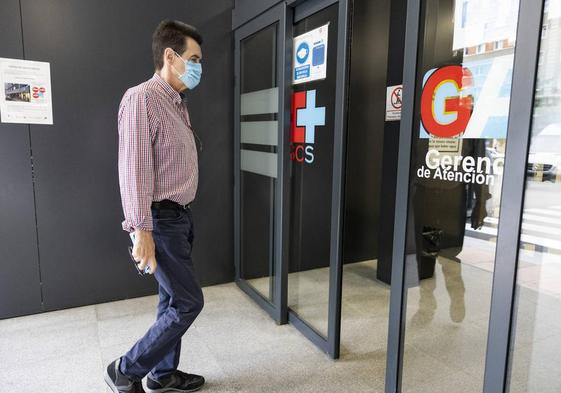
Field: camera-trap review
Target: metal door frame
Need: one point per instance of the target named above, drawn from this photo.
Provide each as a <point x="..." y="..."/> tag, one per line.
<point x="506" y="258"/>
<point x="277" y="309"/>
<point x="512" y="197"/>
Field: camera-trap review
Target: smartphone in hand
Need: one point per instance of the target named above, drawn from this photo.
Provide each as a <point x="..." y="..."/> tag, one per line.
<point x="135" y="263"/>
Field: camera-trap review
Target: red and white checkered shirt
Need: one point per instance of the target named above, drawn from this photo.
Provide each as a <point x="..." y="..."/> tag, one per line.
<point x="157" y="151"/>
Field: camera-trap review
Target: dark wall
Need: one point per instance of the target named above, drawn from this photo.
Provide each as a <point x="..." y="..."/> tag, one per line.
<point x="20" y="291"/>
<point x="365" y="134"/>
<point x="212" y="110"/>
<point x="97" y="50"/>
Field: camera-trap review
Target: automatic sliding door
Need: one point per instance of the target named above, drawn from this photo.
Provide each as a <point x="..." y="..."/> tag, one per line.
<point x="464" y="79"/>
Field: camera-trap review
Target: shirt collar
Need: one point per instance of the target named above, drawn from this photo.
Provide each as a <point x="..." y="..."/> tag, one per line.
<point x="170" y="91"/>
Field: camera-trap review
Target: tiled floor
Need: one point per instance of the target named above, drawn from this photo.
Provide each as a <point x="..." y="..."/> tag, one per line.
<point x="446" y="334"/>
<point x="233" y="343"/>
<point x="239" y="349"/>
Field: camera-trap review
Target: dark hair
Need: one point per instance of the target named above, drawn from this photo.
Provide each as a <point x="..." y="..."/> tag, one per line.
<point x="171" y="34"/>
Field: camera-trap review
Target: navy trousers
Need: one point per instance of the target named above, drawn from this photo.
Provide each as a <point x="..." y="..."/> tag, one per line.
<point x="181" y="298"/>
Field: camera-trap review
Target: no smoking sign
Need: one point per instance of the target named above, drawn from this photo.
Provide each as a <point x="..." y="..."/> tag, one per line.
<point x="394" y="102"/>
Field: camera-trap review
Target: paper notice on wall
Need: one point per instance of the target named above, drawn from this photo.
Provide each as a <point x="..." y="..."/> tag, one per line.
<point x="25" y="92"/>
<point x="394" y="102"/>
<point x="310" y="56"/>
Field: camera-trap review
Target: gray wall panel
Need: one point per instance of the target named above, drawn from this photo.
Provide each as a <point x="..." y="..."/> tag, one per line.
<point x="97" y="50"/>
<point x="211" y="108"/>
<point x="20" y="291"/>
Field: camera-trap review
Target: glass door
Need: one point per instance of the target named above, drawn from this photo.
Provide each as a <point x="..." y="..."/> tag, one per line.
<point x="317" y="134"/>
<point x="468" y="94"/>
<point x="259" y="157"/>
<point x="312" y="141"/>
<point x="453" y="143"/>
<point x="289" y="151"/>
<point x="460" y="133"/>
<point x="536" y="323"/>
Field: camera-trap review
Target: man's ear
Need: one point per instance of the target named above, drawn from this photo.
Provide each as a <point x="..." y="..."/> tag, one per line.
<point x="168" y="55"/>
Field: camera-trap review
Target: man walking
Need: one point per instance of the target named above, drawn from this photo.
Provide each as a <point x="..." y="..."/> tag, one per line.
<point x="158" y="174"/>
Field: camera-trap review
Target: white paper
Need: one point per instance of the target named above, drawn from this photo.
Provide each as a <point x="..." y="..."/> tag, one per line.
<point x="310" y="56"/>
<point x="394" y="101"/>
<point x="25" y="92"/>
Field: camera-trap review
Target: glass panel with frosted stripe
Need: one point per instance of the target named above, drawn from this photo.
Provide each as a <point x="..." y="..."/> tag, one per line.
<point x="258" y="160"/>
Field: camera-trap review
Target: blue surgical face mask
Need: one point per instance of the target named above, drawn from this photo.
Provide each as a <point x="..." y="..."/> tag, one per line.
<point x="192" y="75"/>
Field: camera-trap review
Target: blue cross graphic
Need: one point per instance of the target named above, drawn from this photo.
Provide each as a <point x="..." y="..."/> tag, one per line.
<point x="310" y="117"/>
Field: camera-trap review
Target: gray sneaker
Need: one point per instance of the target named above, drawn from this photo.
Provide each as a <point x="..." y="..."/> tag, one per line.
<point x="120" y="383"/>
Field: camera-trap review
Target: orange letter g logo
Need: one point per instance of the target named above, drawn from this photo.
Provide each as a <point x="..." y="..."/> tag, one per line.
<point x="445" y="111"/>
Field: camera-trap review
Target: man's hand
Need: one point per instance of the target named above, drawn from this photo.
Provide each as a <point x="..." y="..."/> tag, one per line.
<point x="144" y="250"/>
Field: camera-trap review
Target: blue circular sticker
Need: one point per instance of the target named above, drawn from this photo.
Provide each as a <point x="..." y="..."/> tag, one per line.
<point x="302" y="52"/>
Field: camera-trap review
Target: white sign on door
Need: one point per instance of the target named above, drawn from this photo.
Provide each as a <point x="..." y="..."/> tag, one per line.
<point x="310" y="56"/>
<point x="394" y="102"/>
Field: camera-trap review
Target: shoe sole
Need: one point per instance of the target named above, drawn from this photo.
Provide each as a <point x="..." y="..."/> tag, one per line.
<point x="173" y="390"/>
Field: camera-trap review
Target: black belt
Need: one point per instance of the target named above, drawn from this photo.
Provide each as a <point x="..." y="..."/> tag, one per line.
<point x="166" y="204"/>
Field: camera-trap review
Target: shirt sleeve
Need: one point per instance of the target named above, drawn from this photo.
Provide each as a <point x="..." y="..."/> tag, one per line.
<point x="136" y="162"/>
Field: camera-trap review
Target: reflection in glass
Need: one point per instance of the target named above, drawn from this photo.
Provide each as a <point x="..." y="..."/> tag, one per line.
<point x="537" y="332"/>
<point x="258" y="158"/>
<point x="464" y="80"/>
